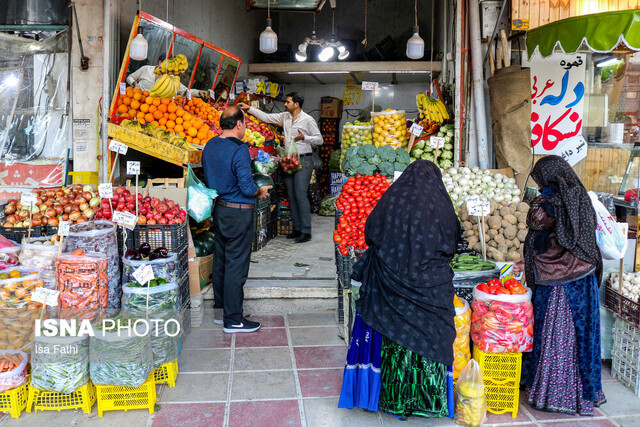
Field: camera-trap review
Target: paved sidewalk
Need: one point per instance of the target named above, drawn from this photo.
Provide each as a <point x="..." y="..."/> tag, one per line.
<point x="289" y="374"/>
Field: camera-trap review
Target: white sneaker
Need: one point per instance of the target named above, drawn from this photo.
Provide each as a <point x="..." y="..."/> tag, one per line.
<point x="244" y="326"/>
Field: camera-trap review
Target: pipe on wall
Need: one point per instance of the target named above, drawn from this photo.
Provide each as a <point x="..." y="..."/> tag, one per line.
<point x="106" y="85"/>
<point x="477" y="75"/>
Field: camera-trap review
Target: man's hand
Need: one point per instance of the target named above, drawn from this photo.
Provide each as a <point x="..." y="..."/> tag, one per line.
<point x="263" y="192"/>
<point x="299" y="137"/>
<point x="518" y="266"/>
<point x="204" y="94"/>
<point x="243" y="106"/>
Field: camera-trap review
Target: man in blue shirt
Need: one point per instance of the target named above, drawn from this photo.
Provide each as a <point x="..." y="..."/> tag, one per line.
<point x="227" y="169"/>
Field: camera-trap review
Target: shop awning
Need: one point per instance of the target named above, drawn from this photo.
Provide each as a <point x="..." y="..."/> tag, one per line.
<point x="600" y="32"/>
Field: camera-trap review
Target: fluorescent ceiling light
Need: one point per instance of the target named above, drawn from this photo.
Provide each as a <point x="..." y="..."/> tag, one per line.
<point x="400" y="72"/>
<point x="317" y="72"/>
<point x="611" y="61"/>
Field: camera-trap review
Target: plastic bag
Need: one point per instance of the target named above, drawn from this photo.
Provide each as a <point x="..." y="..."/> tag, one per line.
<point x="265" y="163"/>
<point x="164" y="268"/>
<point x="40" y="257"/>
<point x="199" y="197"/>
<point x="16" y="376"/>
<point x="290" y="161"/>
<point x="9" y="256"/>
<point x="462" y="321"/>
<point x="60" y="364"/>
<point x="609" y="234"/>
<point x="502" y="323"/>
<point x="83" y="285"/>
<point x="121" y="355"/>
<point x="328" y="205"/>
<point x="471" y="405"/>
<point x="16" y="290"/>
<point x="317" y="162"/>
<point x="99" y="236"/>
<point x="389" y="128"/>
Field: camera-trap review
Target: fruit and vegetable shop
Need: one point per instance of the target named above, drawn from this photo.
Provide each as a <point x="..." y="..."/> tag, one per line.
<point x="518" y="121"/>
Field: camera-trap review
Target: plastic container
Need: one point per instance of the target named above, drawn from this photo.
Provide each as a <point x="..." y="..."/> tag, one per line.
<point x="83" y="398"/>
<point x="389" y="128"/>
<point x="42" y="258"/>
<point x="501" y="373"/>
<point x="17" y="376"/>
<point x="174" y="237"/>
<point x="85" y="177"/>
<point x="14" y="401"/>
<point x="99" y="236"/>
<point x="167" y="373"/>
<point x="123" y="398"/>
<point x="625" y="355"/>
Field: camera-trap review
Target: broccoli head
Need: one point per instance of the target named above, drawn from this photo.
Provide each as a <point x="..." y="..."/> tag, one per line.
<point x="351" y="152"/>
<point x="367" y="151"/>
<point x="386" y="153"/>
<point x="386" y="168"/>
<point x="402" y="156"/>
<point x="366" y="169"/>
<point x="374" y="160"/>
<point x="399" y="166"/>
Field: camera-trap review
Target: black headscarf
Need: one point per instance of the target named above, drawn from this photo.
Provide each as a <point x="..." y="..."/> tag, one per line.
<point x="576" y="221"/>
<point x="407" y="291"/>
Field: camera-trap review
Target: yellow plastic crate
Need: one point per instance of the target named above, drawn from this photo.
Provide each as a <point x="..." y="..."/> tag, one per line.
<point x="14" y="401"/>
<point x="501" y="373"/>
<point x="83" y="398"/>
<point x="85" y="177"/>
<point x="167" y="373"/>
<point x="123" y="398"/>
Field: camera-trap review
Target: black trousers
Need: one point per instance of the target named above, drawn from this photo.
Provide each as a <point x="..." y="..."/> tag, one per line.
<point x="297" y="188"/>
<point x="233" y="237"/>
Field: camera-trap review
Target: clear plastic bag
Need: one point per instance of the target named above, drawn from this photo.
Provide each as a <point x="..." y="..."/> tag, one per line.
<point x="265" y="163"/>
<point x="389" y="128"/>
<point x="471" y="405"/>
<point x="101" y="237"/>
<point x="164" y="268"/>
<point x="41" y="257"/>
<point x="60" y="364"/>
<point x="502" y="323"/>
<point x="83" y="285"/>
<point x="290" y="161"/>
<point x="18" y="375"/>
<point x="199" y="197"/>
<point x="16" y="291"/>
<point x="461" y="345"/>
<point x="121" y="355"/>
<point x="9" y="256"/>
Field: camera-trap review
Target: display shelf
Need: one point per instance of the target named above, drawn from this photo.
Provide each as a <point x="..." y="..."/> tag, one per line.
<point x="154" y="147"/>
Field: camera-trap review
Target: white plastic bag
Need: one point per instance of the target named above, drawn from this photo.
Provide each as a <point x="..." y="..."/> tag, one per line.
<point x="471" y="405"/>
<point x="610" y="236"/>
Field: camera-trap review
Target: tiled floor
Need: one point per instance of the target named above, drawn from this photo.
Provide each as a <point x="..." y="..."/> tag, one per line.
<point x="289" y="374"/>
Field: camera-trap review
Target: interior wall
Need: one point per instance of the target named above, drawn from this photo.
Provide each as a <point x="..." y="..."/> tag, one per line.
<point x="224" y="23"/>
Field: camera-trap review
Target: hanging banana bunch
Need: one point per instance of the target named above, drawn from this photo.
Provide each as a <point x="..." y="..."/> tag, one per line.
<point x="431" y="109"/>
<point x="175" y="65"/>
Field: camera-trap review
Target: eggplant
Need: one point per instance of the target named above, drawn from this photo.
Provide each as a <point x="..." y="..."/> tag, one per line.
<point x="133" y="255"/>
<point x="153" y="256"/>
<point x="145" y="249"/>
<point x="163" y="252"/>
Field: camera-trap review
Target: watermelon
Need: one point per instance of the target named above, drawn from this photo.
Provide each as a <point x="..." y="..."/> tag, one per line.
<point x="204" y="243"/>
<point x="262" y="180"/>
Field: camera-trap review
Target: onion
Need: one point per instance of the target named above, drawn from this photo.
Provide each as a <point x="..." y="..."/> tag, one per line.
<point x="458" y="190"/>
<point x="452" y="171"/>
<point x="88" y="188"/>
<point x="94" y="202"/>
<point x="498" y="198"/>
<point x="487" y="178"/>
<point x="74" y="216"/>
<point x="463" y="182"/>
<point x="475" y="169"/>
<point x="500" y="185"/>
<point x="515" y="192"/>
<point x="499" y="176"/>
<point x="89" y="213"/>
<point x="84" y="206"/>
<point x="465" y="171"/>
<point x="454" y="197"/>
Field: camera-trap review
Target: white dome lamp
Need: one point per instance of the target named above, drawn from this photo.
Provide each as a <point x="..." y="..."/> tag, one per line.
<point x="268" y="38"/>
<point x="301" y="54"/>
<point x="343" y="53"/>
<point x="139" y="47"/>
<point x="415" y="45"/>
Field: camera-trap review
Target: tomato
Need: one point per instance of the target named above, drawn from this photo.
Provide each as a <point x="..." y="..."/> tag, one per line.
<point x="483" y="287"/>
<point x="518" y="290"/>
<point x="499" y="290"/>
<point x="511" y="283"/>
<point x="494" y="282"/>
<point x="337" y="238"/>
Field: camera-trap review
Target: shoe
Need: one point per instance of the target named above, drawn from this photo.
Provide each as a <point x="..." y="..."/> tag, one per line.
<point x="303" y="238"/>
<point x="294" y="235"/>
<point x="244" y="326"/>
<point x="218" y="314"/>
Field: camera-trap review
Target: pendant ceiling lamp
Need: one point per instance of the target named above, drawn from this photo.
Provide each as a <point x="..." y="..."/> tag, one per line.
<point x="415" y="45"/>
<point x="329" y="48"/>
<point x="268" y="38"/>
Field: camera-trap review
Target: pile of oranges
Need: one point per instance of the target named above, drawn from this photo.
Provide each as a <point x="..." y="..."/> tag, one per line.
<point x="198" y="107"/>
<point x="165" y="113"/>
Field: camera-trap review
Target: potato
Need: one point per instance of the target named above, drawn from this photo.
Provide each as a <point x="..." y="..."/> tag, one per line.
<point x="472" y="219"/>
<point x="472" y="240"/>
<point x="513" y="256"/>
<point x="511" y="219"/>
<point x="499" y="239"/>
<point x="492" y="233"/>
<point x="522" y="235"/>
<point x="510" y="232"/>
<point x="509" y="243"/>
<point x="495" y="254"/>
<point x="492" y="207"/>
<point x="504" y="224"/>
<point x="477" y="247"/>
<point x="466" y="225"/>
<point x="494" y="222"/>
<point x="522" y="226"/>
<point x="467" y="233"/>
<point x="517" y="244"/>
<point x="523" y="207"/>
<point x="505" y="211"/>
<point x="462" y="212"/>
<point x="503" y="248"/>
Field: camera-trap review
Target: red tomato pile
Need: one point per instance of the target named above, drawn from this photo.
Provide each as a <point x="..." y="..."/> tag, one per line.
<point x="499" y="325"/>
<point x="359" y="196"/>
<point x="495" y="287"/>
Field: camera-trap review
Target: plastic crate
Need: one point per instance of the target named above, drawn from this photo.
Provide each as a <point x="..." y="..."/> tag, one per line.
<point x="174" y="237"/>
<point x="259" y="239"/>
<point x="122" y="398"/>
<point x="14" y="401"/>
<point x="17" y="233"/>
<point x="167" y="373"/>
<point x="262" y="203"/>
<point x="622" y="306"/>
<point x="501" y="373"/>
<point x="260" y="217"/>
<point x="83" y="398"/>
<point x="272" y="228"/>
<point x="185" y="292"/>
<point x="285" y="224"/>
<point x="625" y="354"/>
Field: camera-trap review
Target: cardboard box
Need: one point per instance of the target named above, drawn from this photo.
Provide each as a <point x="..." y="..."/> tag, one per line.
<point x="200" y="270"/>
<point x="330" y="108"/>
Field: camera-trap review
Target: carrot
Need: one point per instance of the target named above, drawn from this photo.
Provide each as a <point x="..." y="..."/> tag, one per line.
<point x="77" y="252"/>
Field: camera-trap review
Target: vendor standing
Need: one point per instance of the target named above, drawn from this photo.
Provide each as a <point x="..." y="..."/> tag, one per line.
<point x="145" y="77"/>
<point x="301" y="128"/>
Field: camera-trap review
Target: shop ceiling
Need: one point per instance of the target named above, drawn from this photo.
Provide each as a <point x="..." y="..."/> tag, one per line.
<point x="289" y="5"/>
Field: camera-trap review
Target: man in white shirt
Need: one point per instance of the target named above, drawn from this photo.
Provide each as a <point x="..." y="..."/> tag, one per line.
<point x="301" y="128"/>
<point x="145" y="77"/>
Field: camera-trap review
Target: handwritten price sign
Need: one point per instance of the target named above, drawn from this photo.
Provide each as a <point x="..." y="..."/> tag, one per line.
<point x="105" y="190"/>
<point x="118" y="147"/>
<point x="436" y="142"/>
<point x="133" y="168"/>
<point x="28" y="199"/>
<point x="574" y="150"/>
<point x="369" y="85"/>
<point x="477" y="207"/>
<point x="63" y="228"/>
<point x="45" y="296"/>
<point x="415" y="129"/>
<point x="143" y="274"/>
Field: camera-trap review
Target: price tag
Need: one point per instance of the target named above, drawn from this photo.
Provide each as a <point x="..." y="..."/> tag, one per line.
<point x="28" y="199"/>
<point x="123" y="88"/>
<point x="130" y="220"/>
<point x="143" y="274"/>
<point x="117" y="217"/>
<point x="416" y="129"/>
<point x="396" y="175"/>
<point x="436" y="142"/>
<point x="133" y="168"/>
<point x="223" y="95"/>
<point x="477" y="207"/>
<point x="255" y="104"/>
<point x="369" y="85"/>
<point x="105" y="190"/>
<point x="45" y="296"/>
<point x="63" y="228"/>
<point x="118" y="147"/>
<point x="232" y="96"/>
